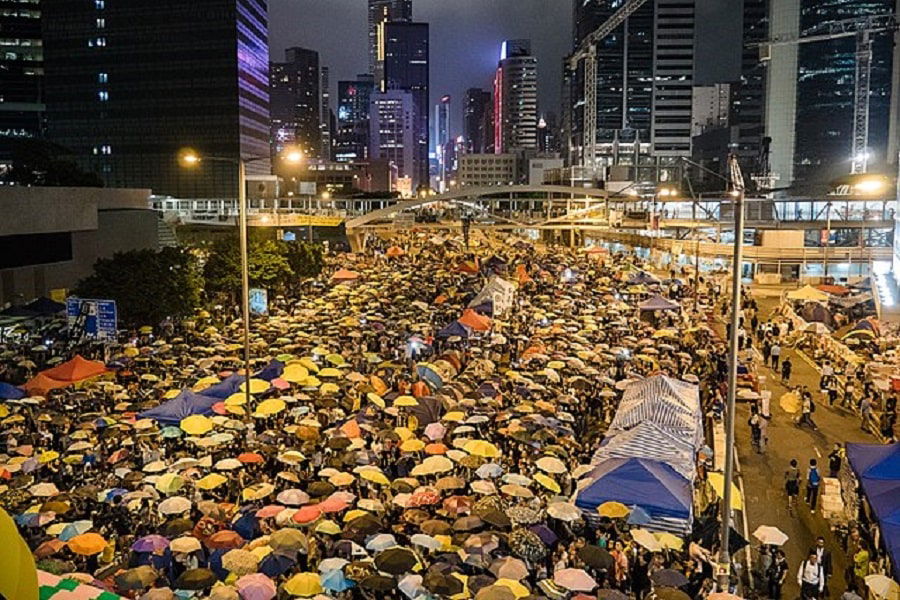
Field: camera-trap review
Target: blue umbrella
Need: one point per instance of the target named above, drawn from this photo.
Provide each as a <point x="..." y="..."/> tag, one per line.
<point x="247" y="526"/>
<point x="638" y="516"/>
<point x="113" y="493"/>
<point x="335" y="581"/>
<point x="275" y="564"/>
<point x="76" y="528"/>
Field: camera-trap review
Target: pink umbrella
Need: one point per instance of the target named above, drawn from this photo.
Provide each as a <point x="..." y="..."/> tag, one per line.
<point x="435" y="431"/>
<point x="576" y="580"/>
<point x="269" y="511"/>
<point x="280" y="384"/>
<point x="332" y="505"/>
<point x="256" y="587"/>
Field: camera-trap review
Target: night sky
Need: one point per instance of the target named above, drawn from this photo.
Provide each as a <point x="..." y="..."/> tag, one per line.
<point x="466" y="36"/>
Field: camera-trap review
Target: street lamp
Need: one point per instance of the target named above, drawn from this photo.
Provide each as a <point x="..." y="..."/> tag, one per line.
<point x="190" y="158"/>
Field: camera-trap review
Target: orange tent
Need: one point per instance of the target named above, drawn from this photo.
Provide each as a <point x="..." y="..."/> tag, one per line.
<point x="345" y="275"/>
<point x="469" y="266"/>
<point x="473" y="320"/>
<point x="75" y="370"/>
<point x="522" y="275"/>
<point x="394" y="252"/>
<point x="40" y="384"/>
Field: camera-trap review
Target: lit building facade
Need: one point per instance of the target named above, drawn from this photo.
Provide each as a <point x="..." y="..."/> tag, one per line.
<point x="130" y="84"/>
<point x="478" y="170"/>
<point x="352" y="140"/>
<point x="384" y="11"/>
<point x="515" y="98"/>
<point x="21" y="70"/>
<point x="295" y="102"/>
<point x="392" y="120"/>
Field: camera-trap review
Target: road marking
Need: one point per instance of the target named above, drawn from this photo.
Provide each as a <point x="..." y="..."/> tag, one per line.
<point x="819" y="454"/>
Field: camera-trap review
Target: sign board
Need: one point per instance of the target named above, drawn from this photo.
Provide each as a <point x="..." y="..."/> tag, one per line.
<point x="307" y="188"/>
<point x="259" y="301"/>
<point x="95" y="318"/>
<point x="59" y="295"/>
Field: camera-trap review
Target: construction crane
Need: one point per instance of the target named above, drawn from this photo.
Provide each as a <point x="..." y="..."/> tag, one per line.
<point x="587" y="52"/>
<point x="862" y="28"/>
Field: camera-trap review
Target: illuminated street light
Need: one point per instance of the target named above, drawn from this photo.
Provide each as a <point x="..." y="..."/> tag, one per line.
<point x="871" y="185"/>
<point x="326" y="195"/>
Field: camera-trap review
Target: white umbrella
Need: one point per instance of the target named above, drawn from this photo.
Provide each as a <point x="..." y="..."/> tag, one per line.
<point x="883" y="587"/>
<point x="426" y="541"/>
<point x="564" y="511"/>
<point x="174" y="505"/>
<point x="551" y="464"/>
<point x="773" y="536"/>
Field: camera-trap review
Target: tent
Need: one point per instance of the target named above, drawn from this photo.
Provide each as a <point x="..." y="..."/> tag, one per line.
<point x="395" y="252"/>
<point x="40" y="384"/>
<point x="18" y="311"/>
<point x="649" y="440"/>
<point x="522" y="275"/>
<point x="671" y="404"/>
<point x="486" y="308"/>
<point x="474" y="321"/>
<point x="454" y="328"/>
<point x="45" y="306"/>
<point x="10" y="392"/>
<point x="817" y="312"/>
<point x="834" y="290"/>
<point x="642" y="277"/>
<point x="498" y="290"/>
<point x="224" y="388"/>
<point x="656" y="303"/>
<point x="654" y="486"/>
<point x="808" y="292"/>
<point x="345" y="275"/>
<point x="183" y="405"/>
<point x="877" y="467"/>
<point x="75" y="370"/>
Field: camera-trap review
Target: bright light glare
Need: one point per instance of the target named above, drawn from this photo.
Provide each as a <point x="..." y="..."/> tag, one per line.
<point x="189" y="158"/>
<point x="869" y="186"/>
<point x="293" y="156"/>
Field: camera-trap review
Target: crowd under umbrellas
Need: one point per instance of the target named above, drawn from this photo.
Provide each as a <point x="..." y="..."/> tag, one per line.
<point x="377" y="455"/>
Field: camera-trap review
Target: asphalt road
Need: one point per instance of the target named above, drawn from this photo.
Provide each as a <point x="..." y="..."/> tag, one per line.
<point x="763" y="474"/>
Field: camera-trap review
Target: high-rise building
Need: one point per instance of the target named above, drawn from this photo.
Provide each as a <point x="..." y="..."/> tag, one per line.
<point x="129" y="84"/>
<point x="384" y="11"/>
<point x="403" y="65"/>
<point x="443" y="149"/>
<point x="21" y="70"/>
<point x="747" y="109"/>
<point x="352" y="140"/>
<point x="673" y="77"/>
<point x="325" y="115"/>
<point x="515" y="98"/>
<point x="475" y="120"/>
<point x="711" y="106"/>
<point x="392" y="130"/>
<point x="296" y="102"/>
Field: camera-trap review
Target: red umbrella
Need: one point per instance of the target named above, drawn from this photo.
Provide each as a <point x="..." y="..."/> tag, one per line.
<point x="224" y="540"/>
<point x="332" y="505"/>
<point x="307" y="514"/>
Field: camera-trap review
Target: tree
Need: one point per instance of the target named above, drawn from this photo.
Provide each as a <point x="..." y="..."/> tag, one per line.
<point x="41" y="163"/>
<point x="148" y="286"/>
<point x="306" y="259"/>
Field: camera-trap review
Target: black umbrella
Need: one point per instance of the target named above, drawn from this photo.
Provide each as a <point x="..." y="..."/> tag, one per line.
<point x="668" y="593"/>
<point x="195" y="579"/>
<point x="136" y="579"/>
<point x="396" y="560"/>
<point x="596" y="557"/>
<point x="442" y="585"/>
<point x="669" y="578"/>
<point x="318" y="489"/>
<point x="175" y="527"/>
<point x="379" y="583"/>
<point x="610" y="594"/>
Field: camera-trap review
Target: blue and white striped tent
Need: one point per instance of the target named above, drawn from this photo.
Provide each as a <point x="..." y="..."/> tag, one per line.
<point x="649" y="440"/>
<point x="671" y="404"/>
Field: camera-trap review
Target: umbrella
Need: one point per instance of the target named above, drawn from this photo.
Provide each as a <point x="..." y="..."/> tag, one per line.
<point x="303" y="584"/>
<point x="137" y="578"/>
<point x="175" y="505"/>
<point x="293" y="497"/>
<point x="790" y="403"/>
<point x="482" y="448"/>
<point x="613" y="510"/>
<point x="551" y="464"/>
<point x="610" y="594"/>
<point x="645" y="539"/>
<point x="442" y="585"/>
<point x="196" y="425"/>
<point x="87" y="544"/>
<point x="883" y="587"/>
<point x="336" y="581"/>
<point x="195" y="579"/>
<point x="256" y="586"/>
<point x="275" y="564"/>
<point x="564" y="511"/>
<point x="596" y="557"/>
<point x="668" y="578"/>
<point x="576" y="580"/>
<point x="150" y="543"/>
<point x="527" y="545"/>
<point x="396" y="560"/>
<point x="185" y="545"/>
<point x="717" y="481"/>
<point x="287" y="539"/>
<point x="767" y="534"/>
<point x="668" y="593"/>
<point x="509" y="568"/>
<point x="378" y="583"/>
<point x="240" y="562"/>
<point x="638" y="516"/>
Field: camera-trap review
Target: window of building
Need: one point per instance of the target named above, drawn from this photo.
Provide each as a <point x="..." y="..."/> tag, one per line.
<point x="103" y="95"/>
<point x="99" y="4"/>
<point x="102" y="77"/>
<point x="101" y="23"/>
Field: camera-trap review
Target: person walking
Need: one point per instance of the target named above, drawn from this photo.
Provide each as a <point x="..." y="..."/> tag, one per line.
<point x="786" y="367"/>
<point x="792" y="484"/>
<point x="806" y="410"/>
<point x="823" y="556"/>
<point x="835" y="458"/>
<point x="776" y="355"/>
<point x="776" y="574"/>
<point x="813" y="479"/>
<point x="811" y="578"/>
<point x="865" y="412"/>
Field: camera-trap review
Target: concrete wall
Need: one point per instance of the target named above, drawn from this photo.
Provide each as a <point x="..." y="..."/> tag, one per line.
<point x="101" y="221"/>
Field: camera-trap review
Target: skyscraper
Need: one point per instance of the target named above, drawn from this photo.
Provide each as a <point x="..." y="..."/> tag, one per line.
<point x="21" y="70"/>
<point x="352" y="140"/>
<point x="475" y="121"/>
<point x="673" y="77"/>
<point x="748" y="95"/>
<point x="443" y="149"/>
<point x="325" y="112"/>
<point x="403" y="65"/>
<point x="392" y="130"/>
<point x="295" y="102"/>
<point x="515" y="98"/>
<point x="128" y="84"/>
<point x="384" y="11"/>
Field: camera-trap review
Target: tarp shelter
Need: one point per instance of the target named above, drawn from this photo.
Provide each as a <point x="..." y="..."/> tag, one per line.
<point x="653" y="486"/>
<point x="224" y="388"/>
<point x="642" y="277"/>
<point x="40" y="384"/>
<point x="498" y="290"/>
<point x="10" y="392"/>
<point x="45" y="306"/>
<point x="808" y="293"/>
<point x="816" y="312"/>
<point x="75" y="370"/>
<point x="454" y="328"/>
<point x="649" y="440"/>
<point x="671" y="404"/>
<point x="474" y="321"/>
<point x="485" y="308"/>
<point x="657" y="303"/>
<point x="345" y="275"/>
<point x="869" y="324"/>
<point x="877" y="467"/>
<point x="180" y="407"/>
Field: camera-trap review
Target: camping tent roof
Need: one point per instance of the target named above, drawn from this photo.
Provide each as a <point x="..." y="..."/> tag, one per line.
<point x="808" y="292"/>
<point x="652" y="485"/>
<point x="183" y="405"/>
<point x="41" y="384"/>
<point x="649" y="440"/>
<point x="75" y="370"/>
<point x="10" y="392"/>
<point x="878" y="469"/>
<point x="473" y="320"/>
<point x="345" y="275"/>
<point x="454" y="328"/>
<point x="671" y="404"/>
<point x="876" y="461"/>
<point x="657" y="302"/>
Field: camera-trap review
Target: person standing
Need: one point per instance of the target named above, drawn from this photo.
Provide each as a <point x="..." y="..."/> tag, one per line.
<point x="865" y="411"/>
<point x="792" y="484"/>
<point x="776" y="574"/>
<point x="823" y="555"/>
<point x="786" y="367"/>
<point x="835" y="458"/>
<point x="813" y="479"/>
<point x="776" y="355"/>
<point x="811" y="577"/>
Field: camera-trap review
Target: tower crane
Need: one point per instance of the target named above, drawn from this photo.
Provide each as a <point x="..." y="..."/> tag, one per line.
<point x="587" y="52"/>
<point x="862" y="28"/>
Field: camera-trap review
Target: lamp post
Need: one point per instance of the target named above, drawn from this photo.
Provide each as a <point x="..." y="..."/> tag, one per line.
<point x="190" y="158"/>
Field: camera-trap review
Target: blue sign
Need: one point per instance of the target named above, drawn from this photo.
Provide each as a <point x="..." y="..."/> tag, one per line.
<point x="97" y="318"/>
<point x="259" y="302"/>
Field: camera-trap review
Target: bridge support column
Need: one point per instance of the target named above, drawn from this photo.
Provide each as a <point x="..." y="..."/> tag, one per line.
<point x="357" y="241"/>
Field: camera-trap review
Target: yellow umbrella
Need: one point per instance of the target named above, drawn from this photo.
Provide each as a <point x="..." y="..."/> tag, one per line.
<point x="204" y="383"/>
<point x="412" y="445"/>
<point x="665" y="333"/>
<point x="131" y="352"/>
<point x="329" y="388"/>
<point x="403" y="432"/>
<point x="613" y="510"/>
<point x="482" y="448"/>
<point x="171" y="394"/>
<point x="790" y="403"/>
<point x="432" y="465"/>
<point x="556" y="364"/>
<point x="295" y="373"/>
<point x="169" y="483"/>
<point x="311" y="381"/>
<point x="48" y="456"/>
<point x="19" y="578"/>
<point x="257" y="491"/>
<point x="454" y="416"/>
<point x="328" y="527"/>
<point x="211" y="481"/>
<point x="341" y="479"/>
<point x="717" y="481"/>
<point x="672" y="542"/>
<point x="309" y="364"/>
<point x="375" y="476"/>
<point x="335" y="359"/>
<point x="518" y="590"/>
<point x="329" y="372"/>
<point x="236" y="399"/>
<point x="272" y="406"/>
<point x="375" y="399"/>
<point x="196" y="425"/>
<point x="257" y="386"/>
<point x="405" y="401"/>
<point x="548" y="482"/>
<point x="303" y="584"/>
<point x="353" y="514"/>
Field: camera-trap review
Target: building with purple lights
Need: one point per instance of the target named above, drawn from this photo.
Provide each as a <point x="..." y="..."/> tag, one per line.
<point x="131" y="83"/>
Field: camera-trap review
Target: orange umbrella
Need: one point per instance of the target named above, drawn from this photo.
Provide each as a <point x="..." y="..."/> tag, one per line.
<point x="225" y="539"/>
<point x="473" y="320"/>
<point x="394" y="252"/>
<point x="440" y="299"/>
<point x="379" y="385"/>
<point x="436" y="448"/>
<point x="351" y="429"/>
<point x="345" y="275"/>
<point x="87" y="544"/>
<point x="420" y="389"/>
<point x="522" y="275"/>
<point x="307" y="514"/>
<point x="251" y="458"/>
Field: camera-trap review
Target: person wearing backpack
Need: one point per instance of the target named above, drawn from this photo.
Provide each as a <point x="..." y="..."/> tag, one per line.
<point x="813" y="479"/>
<point x="811" y="577"/>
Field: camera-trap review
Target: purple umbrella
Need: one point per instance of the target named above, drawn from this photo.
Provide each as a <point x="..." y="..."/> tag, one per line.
<point x="150" y="543"/>
<point x="545" y="533"/>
